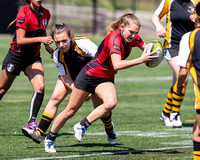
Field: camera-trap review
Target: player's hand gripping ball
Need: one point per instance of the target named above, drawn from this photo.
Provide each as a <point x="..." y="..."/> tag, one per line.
<point x="155" y="46"/>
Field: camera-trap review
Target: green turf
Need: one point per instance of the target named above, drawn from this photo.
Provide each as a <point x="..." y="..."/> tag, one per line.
<point x="142" y="136"/>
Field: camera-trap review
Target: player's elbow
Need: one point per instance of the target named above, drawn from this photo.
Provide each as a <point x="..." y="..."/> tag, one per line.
<point x="183" y="71"/>
<point x="19" y="42"/>
<point x="116" y="67"/>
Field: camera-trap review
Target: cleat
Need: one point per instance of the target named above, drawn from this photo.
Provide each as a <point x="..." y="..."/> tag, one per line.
<point x="166" y="120"/>
<point x="49" y="146"/>
<point x="32" y="134"/>
<point x="176" y="120"/>
<point x="79" y="131"/>
<point x="112" y="136"/>
<point x="32" y="125"/>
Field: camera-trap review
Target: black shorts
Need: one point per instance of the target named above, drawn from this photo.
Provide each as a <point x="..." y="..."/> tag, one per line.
<point x="88" y="83"/>
<point x="171" y="53"/>
<point x="15" y="63"/>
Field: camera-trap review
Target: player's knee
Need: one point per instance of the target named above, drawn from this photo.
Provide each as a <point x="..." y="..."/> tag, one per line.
<point x="40" y="88"/>
<point x="2" y="92"/>
<point x="110" y="103"/>
<point x="55" y="97"/>
<point x="69" y="113"/>
<point x="55" y="102"/>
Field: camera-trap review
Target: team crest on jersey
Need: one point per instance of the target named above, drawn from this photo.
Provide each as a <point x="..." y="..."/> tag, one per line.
<point x="191" y="8"/>
<point x="10" y="67"/>
<point x="81" y="58"/>
<point x="44" y="23"/>
<point x="117" y="47"/>
<point x="20" y="21"/>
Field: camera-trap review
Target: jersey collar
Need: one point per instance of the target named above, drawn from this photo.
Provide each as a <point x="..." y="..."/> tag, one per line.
<point x="34" y="11"/>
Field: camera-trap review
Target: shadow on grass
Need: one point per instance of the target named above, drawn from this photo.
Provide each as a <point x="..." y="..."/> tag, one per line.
<point x="123" y="150"/>
<point x="187" y="124"/>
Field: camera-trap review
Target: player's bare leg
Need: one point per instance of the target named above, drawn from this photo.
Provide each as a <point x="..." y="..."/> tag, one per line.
<point x="6" y="81"/>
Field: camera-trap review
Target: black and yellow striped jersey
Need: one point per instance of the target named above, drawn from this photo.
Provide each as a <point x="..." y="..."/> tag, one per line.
<point x="189" y="57"/>
<point x="84" y="51"/>
<point x="177" y="19"/>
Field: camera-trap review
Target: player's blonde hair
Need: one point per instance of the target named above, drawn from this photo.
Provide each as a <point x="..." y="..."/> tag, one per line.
<point x="127" y="18"/>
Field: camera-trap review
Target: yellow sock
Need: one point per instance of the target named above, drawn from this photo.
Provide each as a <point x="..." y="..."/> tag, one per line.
<point x="168" y="103"/>
<point x="177" y="99"/>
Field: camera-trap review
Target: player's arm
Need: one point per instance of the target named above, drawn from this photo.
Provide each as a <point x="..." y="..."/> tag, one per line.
<point x="143" y="47"/>
<point x="162" y="9"/>
<point x="160" y="29"/>
<point x="47" y="47"/>
<point x="22" y="40"/>
<point x="183" y="59"/>
<point x="67" y="81"/>
<point x="183" y="73"/>
<point x="119" y="64"/>
<point x="63" y="70"/>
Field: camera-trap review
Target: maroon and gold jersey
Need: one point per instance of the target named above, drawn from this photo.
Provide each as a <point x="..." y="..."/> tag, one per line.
<point x="35" y="26"/>
<point x="101" y="65"/>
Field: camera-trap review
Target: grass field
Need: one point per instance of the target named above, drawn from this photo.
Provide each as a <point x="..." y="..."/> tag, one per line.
<point x="142" y="136"/>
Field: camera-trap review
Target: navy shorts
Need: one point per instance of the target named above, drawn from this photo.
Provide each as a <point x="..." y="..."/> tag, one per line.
<point x="15" y="63"/>
<point x="171" y="53"/>
<point x="88" y="83"/>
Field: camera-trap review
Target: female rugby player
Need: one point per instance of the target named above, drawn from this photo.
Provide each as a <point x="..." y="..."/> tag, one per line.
<point x="188" y="60"/>
<point x="24" y="54"/>
<point x="180" y="19"/>
<point x="97" y="77"/>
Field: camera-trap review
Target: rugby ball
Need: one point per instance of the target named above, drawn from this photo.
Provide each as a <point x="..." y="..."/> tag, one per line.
<point x="154" y="46"/>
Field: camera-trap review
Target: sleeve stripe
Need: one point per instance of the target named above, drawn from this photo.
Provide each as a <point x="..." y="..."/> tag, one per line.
<point x="60" y="59"/>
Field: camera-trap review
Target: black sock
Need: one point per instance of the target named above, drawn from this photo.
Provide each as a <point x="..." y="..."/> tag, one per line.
<point x="166" y="114"/>
<point x="108" y="123"/>
<point x="85" y="123"/>
<point x="45" y="122"/>
<point x="36" y="103"/>
<point x="196" y="150"/>
<point x="52" y="136"/>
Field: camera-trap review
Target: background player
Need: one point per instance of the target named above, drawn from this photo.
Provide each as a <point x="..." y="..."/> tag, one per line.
<point x="24" y="54"/>
<point x="180" y="19"/>
<point x="189" y="58"/>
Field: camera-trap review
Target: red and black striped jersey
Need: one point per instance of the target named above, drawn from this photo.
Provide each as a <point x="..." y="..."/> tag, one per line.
<point x="35" y="25"/>
<point x="101" y="65"/>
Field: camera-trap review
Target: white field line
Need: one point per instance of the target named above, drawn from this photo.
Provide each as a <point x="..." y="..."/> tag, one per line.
<point x="127" y="79"/>
<point x="131" y="79"/>
<point x="106" y="153"/>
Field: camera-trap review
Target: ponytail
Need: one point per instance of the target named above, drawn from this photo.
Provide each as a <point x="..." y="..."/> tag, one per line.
<point x="125" y="20"/>
<point x="11" y="23"/>
<point x="197" y="11"/>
